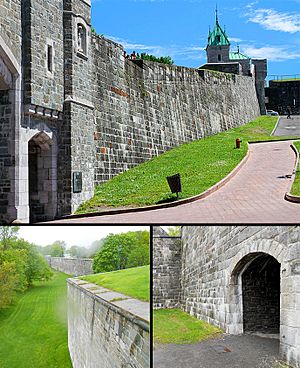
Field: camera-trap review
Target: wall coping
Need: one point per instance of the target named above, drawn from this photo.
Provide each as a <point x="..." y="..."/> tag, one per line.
<point x="70" y="258"/>
<point x="134" y="310"/>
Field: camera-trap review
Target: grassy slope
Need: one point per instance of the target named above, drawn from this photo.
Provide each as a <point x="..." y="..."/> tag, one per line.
<point x="134" y="282"/>
<point x="201" y="164"/>
<point x="296" y="185"/>
<point x="172" y="326"/>
<point x="33" y="332"/>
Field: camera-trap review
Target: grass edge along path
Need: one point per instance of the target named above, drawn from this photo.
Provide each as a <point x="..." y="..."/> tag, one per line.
<point x="201" y="164"/>
<point x="295" y="190"/>
<point x="173" y="326"/>
<point x="134" y="282"/>
<point x="34" y="331"/>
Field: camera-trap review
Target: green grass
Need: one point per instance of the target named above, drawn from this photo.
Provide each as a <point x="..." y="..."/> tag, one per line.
<point x="201" y="164"/>
<point x="33" y="332"/>
<point x="173" y="326"/>
<point x="134" y="282"/>
<point x="286" y="80"/>
<point x="296" y="185"/>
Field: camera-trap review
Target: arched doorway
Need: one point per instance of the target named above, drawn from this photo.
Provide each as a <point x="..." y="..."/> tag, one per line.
<point x="255" y="295"/>
<point x="42" y="172"/>
<point x="261" y="295"/>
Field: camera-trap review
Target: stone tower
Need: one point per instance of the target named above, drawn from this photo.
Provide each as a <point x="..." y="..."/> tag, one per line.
<point x="78" y="108"/>
<point x="218" y="44"/>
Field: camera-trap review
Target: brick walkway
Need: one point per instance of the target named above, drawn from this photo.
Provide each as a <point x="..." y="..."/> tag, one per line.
<point x="254" y="195"/>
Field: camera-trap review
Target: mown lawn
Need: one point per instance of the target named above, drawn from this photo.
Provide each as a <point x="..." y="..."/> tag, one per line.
<point x="134" y="282"/>
<point x="201" y="164"/>
<point x="34" y="331"/>
<point x="173" y="326"/>
<point x="296" y="185"/>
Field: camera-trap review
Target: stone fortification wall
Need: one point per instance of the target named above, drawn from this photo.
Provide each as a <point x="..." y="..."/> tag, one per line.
<point x="106" y="328"/>
<point x="166" y="270"/>
<point x="143" y="109"/>
<point x="71" y="266"/>
<point x="10" y="26"/>
<point x="214" y="260"/>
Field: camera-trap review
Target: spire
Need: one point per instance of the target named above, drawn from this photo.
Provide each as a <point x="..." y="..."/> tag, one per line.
<point x="238" y="48"/>
<point x="217" y="20"/>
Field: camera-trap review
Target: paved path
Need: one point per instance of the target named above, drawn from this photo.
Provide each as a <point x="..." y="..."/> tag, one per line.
<point x="289" y="127"/>
<point x="254" y="195"/>
<point x="228" y="352"/>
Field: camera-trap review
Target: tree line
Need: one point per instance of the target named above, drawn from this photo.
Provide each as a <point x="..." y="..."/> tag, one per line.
<point x="20" y="265"/>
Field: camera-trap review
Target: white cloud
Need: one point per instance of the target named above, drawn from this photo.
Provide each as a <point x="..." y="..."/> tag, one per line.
<point x="175" y="51"/>
<point x="72" y="235"/>
<point x="273" y="20"/>
<point x="235" y="39"/>
<point x="272" y="53"/>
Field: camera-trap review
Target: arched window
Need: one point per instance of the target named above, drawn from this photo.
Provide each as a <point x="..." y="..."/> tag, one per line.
<point x="81" y="39"/>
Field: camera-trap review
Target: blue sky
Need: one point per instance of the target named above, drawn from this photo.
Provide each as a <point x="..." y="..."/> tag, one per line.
<point x="178" y="28"/>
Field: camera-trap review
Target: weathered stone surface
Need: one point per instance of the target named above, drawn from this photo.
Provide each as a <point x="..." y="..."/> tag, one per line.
<point x="228" y="278"/>
<point x="106" y="332"/>
<point x="71" y="266"/>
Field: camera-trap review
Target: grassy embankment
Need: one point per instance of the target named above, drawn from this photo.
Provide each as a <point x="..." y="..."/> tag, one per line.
<point x="172" y="326"/>
<point x="201" y="164"/>
<point x="134" y="282"/>
<point x="34" y="331"/>
<point x="296" y="185"/>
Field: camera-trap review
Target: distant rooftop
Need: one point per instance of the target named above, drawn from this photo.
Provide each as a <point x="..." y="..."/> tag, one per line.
<point x="236" y="55"/>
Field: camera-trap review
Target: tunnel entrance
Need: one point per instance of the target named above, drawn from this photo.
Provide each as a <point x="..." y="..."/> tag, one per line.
<point x="261" y="295"/>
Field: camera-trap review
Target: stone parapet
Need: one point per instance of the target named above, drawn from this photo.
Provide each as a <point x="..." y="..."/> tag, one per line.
<point x="106" y="328"/>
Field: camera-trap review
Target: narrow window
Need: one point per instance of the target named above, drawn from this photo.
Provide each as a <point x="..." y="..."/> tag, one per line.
<point x="219" y="57"/>
<point x="218" y="38"/>
<point x="81" y="39"/>
<point x="50" y="58"/>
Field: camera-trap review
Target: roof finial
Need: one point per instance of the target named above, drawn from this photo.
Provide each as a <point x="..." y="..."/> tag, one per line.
<point x="217" y="20"/>
<point x="238" y="47"/>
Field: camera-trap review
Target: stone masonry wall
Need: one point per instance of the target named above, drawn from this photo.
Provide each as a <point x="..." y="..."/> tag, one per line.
<point x="5" y="156"/>
<point x="43" y="26"/>
<point x="71" y="266"/>
<point x="10" y="26"/>
<point x="143" y="109"/>
<point x="213" y="259"/>
<point x="106" y="328"/>
<point x="166" y="270"/>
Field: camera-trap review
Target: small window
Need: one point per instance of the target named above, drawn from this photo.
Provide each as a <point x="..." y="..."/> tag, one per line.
<point x="81" y="39"/>
<point x="50" y="58"/>
<point x="219" y="58"/>
<point x="218" y="38"/>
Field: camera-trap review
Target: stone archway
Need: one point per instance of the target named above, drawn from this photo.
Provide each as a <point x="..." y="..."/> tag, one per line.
<point x="255" y="293"/>
<point x="11" y="205"/>
<point x="261" y="295"/>
<point x="42" y="177"/>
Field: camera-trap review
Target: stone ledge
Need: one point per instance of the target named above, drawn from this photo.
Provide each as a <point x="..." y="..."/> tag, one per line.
<point x="134" y="310"/>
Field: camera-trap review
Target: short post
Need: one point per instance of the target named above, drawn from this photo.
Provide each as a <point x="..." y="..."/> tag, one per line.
<point x="238" y="143"/>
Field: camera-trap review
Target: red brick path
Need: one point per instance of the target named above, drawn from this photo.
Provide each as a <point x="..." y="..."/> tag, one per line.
<point x="254" y="195"/>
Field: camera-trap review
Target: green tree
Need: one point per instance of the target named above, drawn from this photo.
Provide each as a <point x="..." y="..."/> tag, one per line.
<point x="12" y="274"/>
<point x="174" y="230"/>
<point x="7" y="235"/>
<point x="121" y="251"/>
<point x="79" y="252"/>
<point x="57" y="249"/>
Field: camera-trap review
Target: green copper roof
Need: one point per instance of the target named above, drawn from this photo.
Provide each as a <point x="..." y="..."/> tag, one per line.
<point x="218" y="37"/>
<point x="236" y="55"/>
